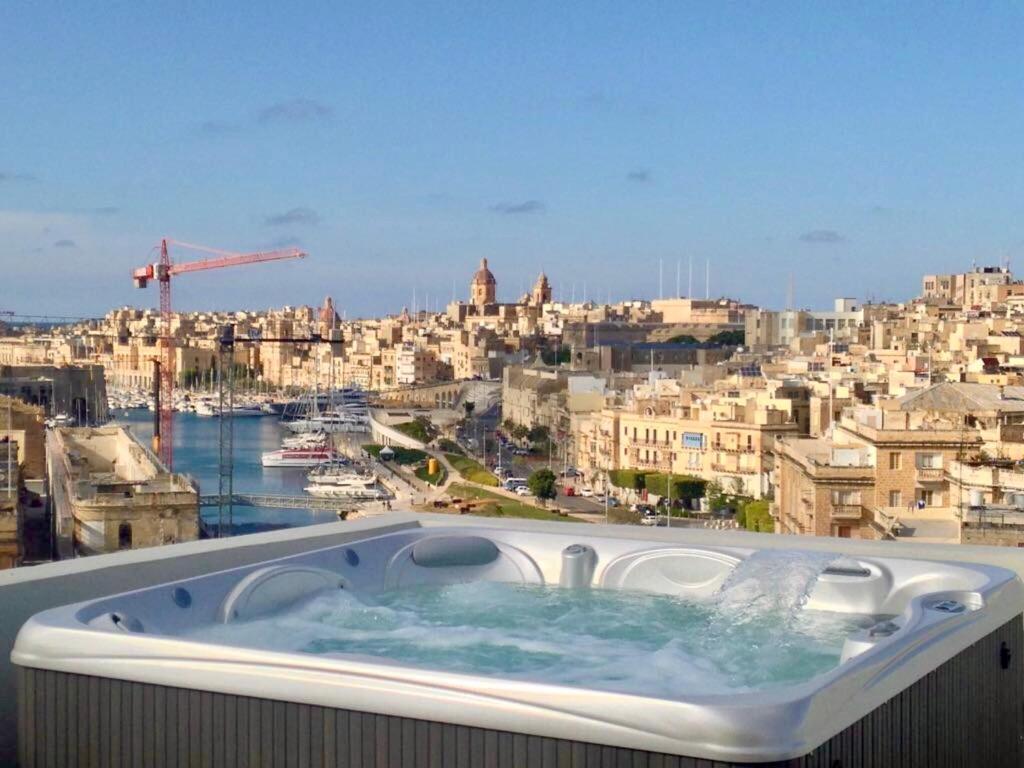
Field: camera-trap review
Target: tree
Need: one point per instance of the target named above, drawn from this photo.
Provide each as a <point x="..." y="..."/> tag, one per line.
<point x="538" y="434"/>
<point x="519" y="432"/>
<point x="508" y="425"/>
<point x="716" y="496"/>
<point x="542" y="484"/>
<point x="684" y="338"/>
<point x="728" y="339"/>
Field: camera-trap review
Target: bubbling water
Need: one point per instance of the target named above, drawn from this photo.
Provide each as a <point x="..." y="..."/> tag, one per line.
<point x="651" y="645"/>
<point x="771" y="582"/>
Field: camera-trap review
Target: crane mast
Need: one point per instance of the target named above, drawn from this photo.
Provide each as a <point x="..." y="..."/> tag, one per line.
<point x="162" y="271"/>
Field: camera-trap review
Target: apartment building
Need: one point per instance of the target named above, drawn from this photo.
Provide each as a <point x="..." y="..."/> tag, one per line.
<point x="725" y="435"/>
<point x="885" y="464"/>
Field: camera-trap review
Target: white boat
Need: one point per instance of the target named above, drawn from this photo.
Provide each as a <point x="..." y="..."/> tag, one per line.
<point x="247" y="411"/>
<point x="328" y="422"/>
<point x="305" y="440"/>
<point x="340" y="475"/>
<point x="346" y="492"/>
<point x="298" y="457"/>
<point x="206" y="408"/>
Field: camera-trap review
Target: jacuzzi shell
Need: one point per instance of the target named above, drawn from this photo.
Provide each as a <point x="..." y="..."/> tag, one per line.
<point x="135" y="636"/>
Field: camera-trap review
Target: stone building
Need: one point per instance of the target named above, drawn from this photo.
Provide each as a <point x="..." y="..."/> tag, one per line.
<point x="111" y="493"/>
<point x="78" y="391"/>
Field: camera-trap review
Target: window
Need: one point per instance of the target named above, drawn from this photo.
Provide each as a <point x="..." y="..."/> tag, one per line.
<point x="895" y="498"/>
<point x="845" y="498"/>
<point x="929" y="461"/>
<point x="844" y="532"/>
<point x="925" y="498"/>
<point x="895" y="461"/>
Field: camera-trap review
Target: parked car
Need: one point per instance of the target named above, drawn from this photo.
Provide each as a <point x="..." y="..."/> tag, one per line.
<point x="570" y="491"/>
<point x="570" y="472"/>
<point x="649" y="517"/>
<point x="524" y="490"/>
<point x="587" y="492"/>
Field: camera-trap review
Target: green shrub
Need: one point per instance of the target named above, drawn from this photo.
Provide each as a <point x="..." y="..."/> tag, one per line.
<point x="450" y="446"/>
<point x="627" y="478"/>
<point x="542" y="484"/>
<point x="683" y="486"/>
<point x="756" y="517"/>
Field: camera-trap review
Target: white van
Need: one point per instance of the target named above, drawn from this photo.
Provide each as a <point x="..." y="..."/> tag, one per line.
<point x="511" y="483"/>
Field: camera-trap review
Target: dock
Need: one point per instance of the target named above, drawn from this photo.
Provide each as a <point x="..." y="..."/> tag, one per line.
<point x="278" y="501"/>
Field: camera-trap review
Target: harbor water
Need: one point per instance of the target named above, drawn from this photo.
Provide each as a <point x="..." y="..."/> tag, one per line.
<point x="196" y="440"/>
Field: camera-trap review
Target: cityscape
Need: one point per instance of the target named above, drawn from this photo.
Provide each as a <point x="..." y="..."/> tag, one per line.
<point x="626" y="472"/>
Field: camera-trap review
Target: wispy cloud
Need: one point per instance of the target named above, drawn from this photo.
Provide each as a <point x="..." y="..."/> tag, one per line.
<point x="16" y="177"/>
<point x="294" y="216"/>
<point x="287" y="241"/>
<point x="65" y="244"/>
<point x="294" y="111"/>
<point x="527" y="206"/>
<point x="828" y="236"/>
<point x="217" y="128"/>
<point x="639" y="175"/>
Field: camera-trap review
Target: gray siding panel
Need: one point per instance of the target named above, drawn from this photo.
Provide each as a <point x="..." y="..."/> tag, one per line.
<point x="968" y="712"/>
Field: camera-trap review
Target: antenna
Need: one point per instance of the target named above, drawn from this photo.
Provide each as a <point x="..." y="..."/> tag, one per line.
<point x="689" y="285"/>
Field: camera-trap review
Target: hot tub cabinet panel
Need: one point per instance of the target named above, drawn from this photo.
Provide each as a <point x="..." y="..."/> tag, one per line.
<point x="968" y="712"/>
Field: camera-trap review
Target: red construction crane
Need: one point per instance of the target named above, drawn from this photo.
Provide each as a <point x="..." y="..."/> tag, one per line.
<point x="162" y="272"/>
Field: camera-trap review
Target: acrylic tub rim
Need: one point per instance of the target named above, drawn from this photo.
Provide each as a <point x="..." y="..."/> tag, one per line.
<point x="755" y="726"/>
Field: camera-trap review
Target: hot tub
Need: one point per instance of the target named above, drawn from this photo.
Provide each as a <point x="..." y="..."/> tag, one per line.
<point x="493" y="646"/>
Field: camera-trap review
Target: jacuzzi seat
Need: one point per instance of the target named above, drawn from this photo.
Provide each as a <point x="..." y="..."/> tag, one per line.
<point x="275" y="587"/>
<point x="454" y="559"/>
<point x="678" y="571"/>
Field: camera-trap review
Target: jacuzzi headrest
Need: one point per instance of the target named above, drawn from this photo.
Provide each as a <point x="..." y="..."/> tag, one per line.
<point x="454" y="559"/>
<point x="670" y="571"/>
<point x="269" y="589"/>
<point x="445" y="551"/>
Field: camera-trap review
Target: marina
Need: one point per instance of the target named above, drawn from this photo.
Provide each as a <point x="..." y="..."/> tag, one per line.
<point x="276" y="490"/>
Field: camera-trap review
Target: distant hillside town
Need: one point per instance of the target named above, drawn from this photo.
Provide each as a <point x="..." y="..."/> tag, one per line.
<point x="866" y="421"/>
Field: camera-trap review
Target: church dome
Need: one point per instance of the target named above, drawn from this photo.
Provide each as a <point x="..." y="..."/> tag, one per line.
<point x="483" y="275"/>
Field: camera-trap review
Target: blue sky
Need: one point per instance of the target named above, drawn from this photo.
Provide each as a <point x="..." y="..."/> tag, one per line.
<point x="854" y="146"/>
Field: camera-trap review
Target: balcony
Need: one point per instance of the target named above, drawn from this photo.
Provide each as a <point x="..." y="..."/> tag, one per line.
<point x="847" y="511"/>
<point x="722" y="447"/>
<point x="733" y="470"/>
<point x="930" y="474"/>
